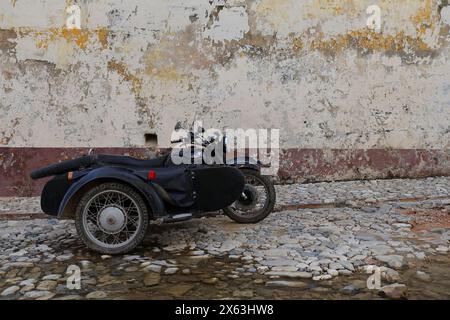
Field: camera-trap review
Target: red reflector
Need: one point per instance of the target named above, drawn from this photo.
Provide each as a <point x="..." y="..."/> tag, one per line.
<point x="151" y="175"/>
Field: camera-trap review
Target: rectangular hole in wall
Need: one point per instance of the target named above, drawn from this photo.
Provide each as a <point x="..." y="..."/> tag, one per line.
<point x="151" y="140"/>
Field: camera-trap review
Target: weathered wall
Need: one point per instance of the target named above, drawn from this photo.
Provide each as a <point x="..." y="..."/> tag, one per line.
<point x="350" y="102"/>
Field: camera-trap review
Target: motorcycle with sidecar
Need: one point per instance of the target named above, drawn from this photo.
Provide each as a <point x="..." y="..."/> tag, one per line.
<point x="112" y="197"/>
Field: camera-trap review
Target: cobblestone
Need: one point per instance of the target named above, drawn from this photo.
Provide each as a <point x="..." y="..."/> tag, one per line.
<point x="367" y="223"/>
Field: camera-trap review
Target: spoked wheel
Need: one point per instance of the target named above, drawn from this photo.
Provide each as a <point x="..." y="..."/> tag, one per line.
<point x="111" y="218"/>
<point x="256" y="201"/>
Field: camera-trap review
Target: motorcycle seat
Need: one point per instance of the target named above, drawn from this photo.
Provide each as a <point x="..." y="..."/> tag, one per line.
<point x="126" y="161"/>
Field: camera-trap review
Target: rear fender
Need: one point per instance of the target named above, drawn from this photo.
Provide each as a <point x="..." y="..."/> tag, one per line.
<point x="108" y="174"/>
<point x="246" y="163"/>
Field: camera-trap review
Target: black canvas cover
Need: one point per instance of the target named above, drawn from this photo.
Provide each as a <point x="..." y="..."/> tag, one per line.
<point x="203" y="187"/>
<point x="177" y="182"/>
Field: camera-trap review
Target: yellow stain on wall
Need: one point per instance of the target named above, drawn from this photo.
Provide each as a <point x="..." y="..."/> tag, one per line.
<point x="297" y="45"/>
<point x="424" y="17"/>
<point x="369" y="40"/>
<point x="156" y="65"/>
<point x="279" y="13"/>
<point x="123" y="71"/>
<point x="102" y="35"/>
<point x="80" y="37"/>
<point x="175" y="55"/>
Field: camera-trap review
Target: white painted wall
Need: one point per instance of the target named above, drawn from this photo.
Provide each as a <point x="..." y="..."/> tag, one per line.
<point x="310" y="68"/>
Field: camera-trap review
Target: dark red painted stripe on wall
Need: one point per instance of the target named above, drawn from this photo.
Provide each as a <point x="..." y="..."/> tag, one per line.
<point x="296" y="165"/>
<point x="17" y="163"/>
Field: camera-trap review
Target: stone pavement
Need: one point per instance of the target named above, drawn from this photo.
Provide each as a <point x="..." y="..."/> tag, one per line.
<point x="324" y="241"/>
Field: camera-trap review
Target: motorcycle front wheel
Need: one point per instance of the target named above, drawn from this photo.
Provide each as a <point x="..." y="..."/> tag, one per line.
<point x="256" y="201"/>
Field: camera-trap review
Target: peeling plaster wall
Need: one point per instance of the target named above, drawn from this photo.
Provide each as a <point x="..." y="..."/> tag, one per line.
<point x="309" y="67"/>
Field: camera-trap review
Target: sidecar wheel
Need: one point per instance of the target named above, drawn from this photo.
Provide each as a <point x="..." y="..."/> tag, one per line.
<point x="112" y="218"/>
<point x="257" y="201"/>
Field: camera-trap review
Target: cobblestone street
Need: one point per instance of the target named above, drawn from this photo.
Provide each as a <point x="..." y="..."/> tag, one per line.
<point x="323" y="241"/>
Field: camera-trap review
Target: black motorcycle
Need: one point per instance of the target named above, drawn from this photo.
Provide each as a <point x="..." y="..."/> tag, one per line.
<point x="112" y="198"/>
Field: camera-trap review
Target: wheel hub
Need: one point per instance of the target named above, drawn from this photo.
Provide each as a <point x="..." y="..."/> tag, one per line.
<point x="248" y="199"/>
<point x="111" y="219"/>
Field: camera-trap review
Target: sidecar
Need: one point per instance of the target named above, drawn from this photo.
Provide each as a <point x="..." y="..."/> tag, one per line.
<point x="112" y="198"/>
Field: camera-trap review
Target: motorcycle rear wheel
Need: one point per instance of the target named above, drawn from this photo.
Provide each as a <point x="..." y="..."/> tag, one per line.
<point x="245" y="209"/>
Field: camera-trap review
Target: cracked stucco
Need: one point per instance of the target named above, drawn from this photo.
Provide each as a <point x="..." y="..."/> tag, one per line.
<point x="311" y="68"/>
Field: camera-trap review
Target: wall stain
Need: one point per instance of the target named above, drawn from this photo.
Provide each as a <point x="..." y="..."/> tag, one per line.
<point x="424" y="18"/>
<point x="122" y="70"/>
<point x="7" y="39"/>
<point x="174" y="56"/>
<point x="369" y="40"/>
<point x="80" y="37"/>
<point x="142" y="107"/>
<point x="5" y="136"/>
<point x="102" y="35"/>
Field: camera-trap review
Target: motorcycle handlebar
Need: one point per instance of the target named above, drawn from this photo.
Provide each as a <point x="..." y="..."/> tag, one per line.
<point x="193" y="136"/>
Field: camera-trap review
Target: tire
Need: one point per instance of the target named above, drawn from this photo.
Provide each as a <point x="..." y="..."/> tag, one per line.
<point x="91" y="213"/>
<point x="269" y="204"/>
